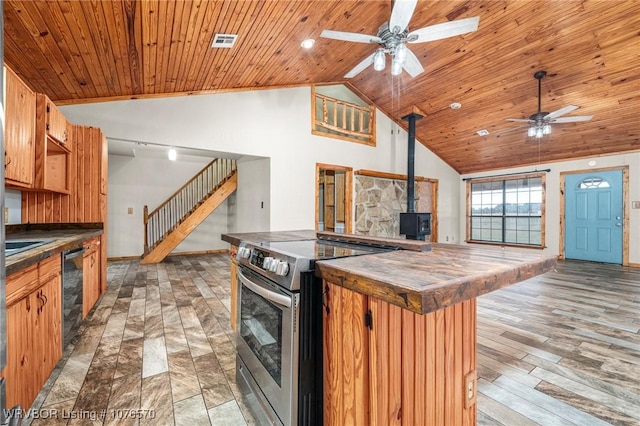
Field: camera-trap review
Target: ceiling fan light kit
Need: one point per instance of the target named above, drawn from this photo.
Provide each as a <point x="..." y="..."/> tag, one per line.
<point x="540" y="122"/>
<point x="393" y="35"/>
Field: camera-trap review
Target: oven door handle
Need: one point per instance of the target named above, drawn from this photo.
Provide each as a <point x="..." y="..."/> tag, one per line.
<point x="267" y="294"/>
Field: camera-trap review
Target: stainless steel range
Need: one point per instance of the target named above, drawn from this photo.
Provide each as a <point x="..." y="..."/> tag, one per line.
<point x="279" y="340"/>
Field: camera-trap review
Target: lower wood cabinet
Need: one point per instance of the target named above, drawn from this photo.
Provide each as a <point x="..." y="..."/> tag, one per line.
<point x="384" y="365"/>
<point x="91" y="288"/>
<point x="34" y="329"/>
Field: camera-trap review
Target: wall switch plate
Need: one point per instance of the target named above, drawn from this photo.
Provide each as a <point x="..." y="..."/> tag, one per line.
<point x="130" y="210"/>
<point x="6" y="215"/>
<point x="635" y="204"/>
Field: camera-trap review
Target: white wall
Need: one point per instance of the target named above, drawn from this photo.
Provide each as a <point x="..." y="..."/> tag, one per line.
<point x="552" y="230"/>
<point x="274" y="124"/>
<point x="13" y="202"/>
<point x="252" y="198"/>
<point x="136" y="182"/>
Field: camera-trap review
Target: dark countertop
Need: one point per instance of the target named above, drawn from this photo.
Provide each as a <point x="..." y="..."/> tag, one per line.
<point x="59" y="238"/>
<point x="303" y="234"/>
<point x="424" y="282"/>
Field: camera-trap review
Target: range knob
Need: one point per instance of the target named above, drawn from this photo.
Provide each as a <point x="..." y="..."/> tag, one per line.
<point x="244" y="252"/>
<point x="282" y="268"/>
<point x="267" y="262"/>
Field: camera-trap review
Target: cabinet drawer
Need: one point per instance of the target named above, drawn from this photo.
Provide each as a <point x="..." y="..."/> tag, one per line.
<point x="50" y="267"/>
<point x="21" y="283"/>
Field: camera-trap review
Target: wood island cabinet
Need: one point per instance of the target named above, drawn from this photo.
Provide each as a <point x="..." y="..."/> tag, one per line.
<point x="384" y="365"/>
<point x="91" y="289"/>
<point x="19" y="133"/>
<point x="34" y="329"/>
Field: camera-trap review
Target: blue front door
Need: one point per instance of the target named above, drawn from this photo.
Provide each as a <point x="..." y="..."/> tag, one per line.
<point x="593" y="216"/>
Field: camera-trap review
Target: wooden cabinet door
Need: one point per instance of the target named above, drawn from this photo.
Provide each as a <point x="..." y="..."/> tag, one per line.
<point x="104" y="164"/>
<point x="90" y="276"/>
<point x="48" y="327"/>
<point x="345" y="357"/>
<point x="19" y="134"/>
<point x="21" y="358"/>
<point x="56" y="124"/>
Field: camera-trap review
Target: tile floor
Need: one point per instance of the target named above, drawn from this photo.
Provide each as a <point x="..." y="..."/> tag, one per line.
<point x="559" y="349"/>
<point x="157" y="349"/>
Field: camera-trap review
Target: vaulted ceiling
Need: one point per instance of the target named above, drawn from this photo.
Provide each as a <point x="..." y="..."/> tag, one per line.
<point x="87" y="51"/>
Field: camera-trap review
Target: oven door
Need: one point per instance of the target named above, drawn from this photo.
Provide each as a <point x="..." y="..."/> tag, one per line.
<point x="266" y="340"/>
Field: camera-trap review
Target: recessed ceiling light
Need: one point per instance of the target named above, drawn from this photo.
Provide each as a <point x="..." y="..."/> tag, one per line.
<point x="308" y="43"/>
<point x="483" y="132"/>
<point x="455" y="105"/>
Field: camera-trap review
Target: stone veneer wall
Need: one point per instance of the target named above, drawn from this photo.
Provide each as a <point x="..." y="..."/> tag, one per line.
<point x="380" y="201"/>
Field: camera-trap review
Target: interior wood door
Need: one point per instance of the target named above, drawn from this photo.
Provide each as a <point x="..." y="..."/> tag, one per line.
<point x="594" y="216"/>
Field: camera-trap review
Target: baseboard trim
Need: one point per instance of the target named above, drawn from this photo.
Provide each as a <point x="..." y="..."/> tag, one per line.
<point x="182" y="253"/>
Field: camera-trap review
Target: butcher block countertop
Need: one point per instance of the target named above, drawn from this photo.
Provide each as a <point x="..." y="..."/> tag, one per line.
<point x="57" y="237"/>
<point x="424" y="282"/>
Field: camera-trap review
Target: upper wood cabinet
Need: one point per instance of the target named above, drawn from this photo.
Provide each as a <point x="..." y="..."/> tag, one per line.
<point x="53" y="166"/>
<point x="19" y="133"/>
<point x="56" y="125"/>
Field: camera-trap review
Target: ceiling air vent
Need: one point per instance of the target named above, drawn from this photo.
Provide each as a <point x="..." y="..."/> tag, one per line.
<point x="224" y="41"/>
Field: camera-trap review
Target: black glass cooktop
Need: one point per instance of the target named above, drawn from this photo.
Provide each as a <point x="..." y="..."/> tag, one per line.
<point x="318" y="249"/>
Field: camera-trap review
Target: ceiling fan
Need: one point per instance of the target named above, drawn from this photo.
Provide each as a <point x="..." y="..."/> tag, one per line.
<point x="393" y="35"/>
<point x="540" y="122"/>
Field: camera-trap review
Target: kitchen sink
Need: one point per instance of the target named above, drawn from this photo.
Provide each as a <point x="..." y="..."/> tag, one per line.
<point x="18" y="246"/>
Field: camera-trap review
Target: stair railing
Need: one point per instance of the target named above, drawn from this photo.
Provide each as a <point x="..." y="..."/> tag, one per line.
<point x="168" y="215"/>
<point x="345" y="118"/>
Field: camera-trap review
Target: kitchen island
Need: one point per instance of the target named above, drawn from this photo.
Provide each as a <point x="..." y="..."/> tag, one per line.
<point x="399" y="330"/>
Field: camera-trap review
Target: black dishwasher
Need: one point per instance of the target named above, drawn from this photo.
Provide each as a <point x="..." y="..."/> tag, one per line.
<point x="71" y="294"/>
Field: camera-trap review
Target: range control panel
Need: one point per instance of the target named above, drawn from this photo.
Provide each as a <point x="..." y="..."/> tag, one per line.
<point x="264" y="260"/>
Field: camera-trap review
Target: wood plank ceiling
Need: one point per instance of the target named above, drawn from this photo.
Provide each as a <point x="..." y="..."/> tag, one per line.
<point x="87" y="51"/>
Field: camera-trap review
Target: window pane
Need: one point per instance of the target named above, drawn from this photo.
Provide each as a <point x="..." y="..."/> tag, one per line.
<point x="515" y="204"/>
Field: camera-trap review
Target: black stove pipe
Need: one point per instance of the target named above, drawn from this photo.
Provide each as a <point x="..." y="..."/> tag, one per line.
<point x="411" y="157"/>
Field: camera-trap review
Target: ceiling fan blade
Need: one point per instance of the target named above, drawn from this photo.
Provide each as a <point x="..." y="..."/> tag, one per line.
<point x="573" y="119"/>
<point x="360" y="67"/>
<point x="401" y="15"/>
<point x="412" y="65"/>
<point x="561" y="111"/>
<point x="355" y="37"/>
<point x="444" y="30"/>
<point x="521" y="120"/>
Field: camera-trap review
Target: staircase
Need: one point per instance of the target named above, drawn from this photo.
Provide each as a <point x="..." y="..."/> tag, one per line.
<point x="170" y="223"/>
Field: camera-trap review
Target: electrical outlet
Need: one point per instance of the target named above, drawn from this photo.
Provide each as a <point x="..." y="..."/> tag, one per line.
<point x="635" y="204"/>
<point x="130" y="210"/>
<point x="447" y="238"/>
<point x="470" y="385"/>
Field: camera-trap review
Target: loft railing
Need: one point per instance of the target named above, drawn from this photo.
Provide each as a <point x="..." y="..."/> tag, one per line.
<point x="166" y="217"/>
<point x="335" y="117"/>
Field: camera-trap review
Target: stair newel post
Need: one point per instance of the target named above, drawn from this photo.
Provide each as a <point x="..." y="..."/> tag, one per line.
<point x="145" y="218"/>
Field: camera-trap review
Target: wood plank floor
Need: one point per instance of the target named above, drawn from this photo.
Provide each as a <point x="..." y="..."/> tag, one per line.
<point x="559" y="349"/>
<point x="562" y="349"/>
